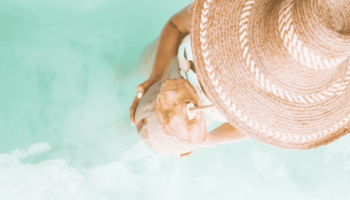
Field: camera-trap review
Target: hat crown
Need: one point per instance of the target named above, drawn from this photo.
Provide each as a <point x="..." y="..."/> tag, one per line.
<point x="320" y="25"/>
<point x="336" y="13"/>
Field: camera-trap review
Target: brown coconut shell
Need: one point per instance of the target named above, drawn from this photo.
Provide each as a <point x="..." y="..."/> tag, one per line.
<point x="162" y="118"/>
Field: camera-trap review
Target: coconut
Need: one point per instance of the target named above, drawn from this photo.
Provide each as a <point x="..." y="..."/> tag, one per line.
<point x="164" y="120"/>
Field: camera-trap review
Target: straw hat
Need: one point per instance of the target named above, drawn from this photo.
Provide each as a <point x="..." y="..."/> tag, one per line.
<point x="278" y="70"/>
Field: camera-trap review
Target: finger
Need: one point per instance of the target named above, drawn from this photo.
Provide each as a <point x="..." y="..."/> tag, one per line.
<point x="185" y="155"/>
<point x="132" y="110"/>
<point x="140" y="91"/>
<point x="142" y="88"/>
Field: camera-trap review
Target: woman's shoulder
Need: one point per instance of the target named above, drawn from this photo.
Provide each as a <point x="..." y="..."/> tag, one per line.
<point x="182" y="19"/>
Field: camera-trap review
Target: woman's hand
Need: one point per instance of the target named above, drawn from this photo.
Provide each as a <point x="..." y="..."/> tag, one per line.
<point x="141" y="90"/>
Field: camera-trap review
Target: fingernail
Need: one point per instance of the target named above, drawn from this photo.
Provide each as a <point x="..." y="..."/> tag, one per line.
<point x="132" y="124"/>
<point x="139" y="95"/>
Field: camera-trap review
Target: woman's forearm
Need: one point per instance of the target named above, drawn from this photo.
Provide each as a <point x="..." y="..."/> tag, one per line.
<point x="225" y="133"/>
<point x="168" y="44"/>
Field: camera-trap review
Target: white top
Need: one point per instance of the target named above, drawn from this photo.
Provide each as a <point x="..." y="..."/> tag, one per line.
<point x="185" y="53"/>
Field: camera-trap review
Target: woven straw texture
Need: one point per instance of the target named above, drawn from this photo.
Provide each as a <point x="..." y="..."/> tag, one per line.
<point x="278" y="70"/>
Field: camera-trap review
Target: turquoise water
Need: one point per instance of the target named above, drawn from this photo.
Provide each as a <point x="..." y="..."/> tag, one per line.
<point x="67" y="79"/>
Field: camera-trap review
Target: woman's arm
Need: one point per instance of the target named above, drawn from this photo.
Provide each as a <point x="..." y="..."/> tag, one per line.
<point x="225" y="133"/>
<point x="177" y="27"/>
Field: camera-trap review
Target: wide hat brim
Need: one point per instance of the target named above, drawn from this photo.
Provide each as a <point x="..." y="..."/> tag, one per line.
<point x="278" y="74"/>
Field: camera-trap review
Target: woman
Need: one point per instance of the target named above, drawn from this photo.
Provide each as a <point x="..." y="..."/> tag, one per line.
<point x="174" y="31"/>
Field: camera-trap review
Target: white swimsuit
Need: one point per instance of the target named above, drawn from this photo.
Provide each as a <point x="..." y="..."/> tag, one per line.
<point x="185" y="52"/>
